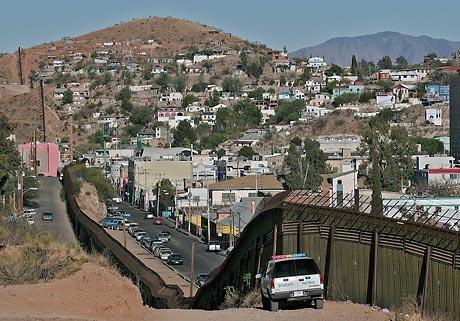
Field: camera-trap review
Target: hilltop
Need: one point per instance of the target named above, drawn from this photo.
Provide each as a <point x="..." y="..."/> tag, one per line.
<point x="375" y="46"/>
<point x="168" y="36"/>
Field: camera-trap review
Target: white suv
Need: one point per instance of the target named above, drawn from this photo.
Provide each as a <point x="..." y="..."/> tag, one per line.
<point x="293" y="277"/>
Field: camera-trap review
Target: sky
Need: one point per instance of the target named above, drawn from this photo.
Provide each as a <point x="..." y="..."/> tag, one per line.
<point x="294" y="23"/>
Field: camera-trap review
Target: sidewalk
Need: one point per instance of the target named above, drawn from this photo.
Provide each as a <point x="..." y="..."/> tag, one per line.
<point x="167" y="273"/>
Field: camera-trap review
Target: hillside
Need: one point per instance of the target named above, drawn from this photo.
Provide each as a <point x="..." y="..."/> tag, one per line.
<point x="375" y="46"/>
<point x="169" y="35"/>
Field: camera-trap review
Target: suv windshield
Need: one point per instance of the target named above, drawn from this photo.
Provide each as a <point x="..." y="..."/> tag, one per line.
<point x="295" y="267"/>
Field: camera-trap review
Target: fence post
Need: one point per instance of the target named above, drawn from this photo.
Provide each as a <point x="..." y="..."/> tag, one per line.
<point x="356" y="199"/>
<point x="373" y="270"/>
<point x="330" y="262"/>
<point x="300" y="245"/>
<point x="275" y="239"/>
<point x="423" y="285"/>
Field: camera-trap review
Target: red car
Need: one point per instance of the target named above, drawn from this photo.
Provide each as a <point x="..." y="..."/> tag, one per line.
<point x="158" y="222"/>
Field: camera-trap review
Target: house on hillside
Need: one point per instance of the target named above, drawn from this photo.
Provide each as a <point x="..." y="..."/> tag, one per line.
<point x="403" y="91"/>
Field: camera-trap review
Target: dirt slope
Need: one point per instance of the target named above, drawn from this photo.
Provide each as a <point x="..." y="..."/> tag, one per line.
<point x="99" y="293"/>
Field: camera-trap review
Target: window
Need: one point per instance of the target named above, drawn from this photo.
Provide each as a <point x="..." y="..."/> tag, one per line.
<point x="252" y="195"/>
<point x="228" y="197"/>
<point x="306" y="266"/>
<point x="284" y="269"/>
<point x="37" y="162"/>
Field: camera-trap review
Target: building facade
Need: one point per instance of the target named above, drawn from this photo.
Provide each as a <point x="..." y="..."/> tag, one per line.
<point x="455" y="117"/>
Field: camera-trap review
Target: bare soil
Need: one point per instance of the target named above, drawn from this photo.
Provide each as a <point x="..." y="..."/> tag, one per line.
<point x="100" y="293"/>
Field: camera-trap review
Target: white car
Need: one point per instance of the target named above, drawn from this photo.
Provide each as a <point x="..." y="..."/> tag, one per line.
<point x="141" y="235"/>
<point x="148" y="216"/>
<point x="165" y="253"/>
<point x="213" y="246"/>
<point x="29" y="211"/>
<point x="293" y="277"/>
<point x="30" y="220"/>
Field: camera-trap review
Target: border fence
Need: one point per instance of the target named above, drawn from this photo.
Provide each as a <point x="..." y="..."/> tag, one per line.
<point x="407" y="253"/>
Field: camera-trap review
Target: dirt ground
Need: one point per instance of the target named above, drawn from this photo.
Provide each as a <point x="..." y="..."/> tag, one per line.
<point x="100" y="293"/>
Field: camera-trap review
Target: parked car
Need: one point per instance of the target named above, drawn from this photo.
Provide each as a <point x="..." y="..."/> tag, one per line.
<point x="164" y="237"/>
<point x="30" y="220"/>
<point x="47" y="216"/>
<point x="29" y="211"/>
<point x="202" y="278"/>
<point x="117" y="200"/>
<point x="148" y="216"/>
<point x="158" y="221"/>
<point x="213" y="246"/>
<point x="165" y="253"/>
<point x="145" y="240"/>
<point x="137" y="232"/>
<point x="158" y="250"/>
<point x="293" y="277"/>
<point x="140" y="235"/>
<point x="155" y="244"/>
<point x="132" y="227"/>
<point x="175" y="259"/>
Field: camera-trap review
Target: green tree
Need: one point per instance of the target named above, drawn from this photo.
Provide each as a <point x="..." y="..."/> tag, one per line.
<point x="401" y="62"/>
<point x="256" y="94"/>
<point x="303" y="166"/>
<point x="345" y="98"/>
<point x="180" y="82"/>
<point x="255" y="69"/>
<point x="247" y="152"/>
<point x="141" y="115"/>
<point x="188" y="100"/>
<point x="214" y="99"/>
<point x="127" y="105"/>
<point x="125" y="93"/>
<point x="67" y="98"/>
<point x="366" y="96"/>
<point x="184" y="135"/>
<point x="288" y="111"/>
<point x="10" y="160"/>
<point x="199" y="87"/>
<point x="249" y="114"/>
<point x="385" y="63"/>
<point x="334" y="70"/>
<point x="354" y="66"/>
<point x="163" y="81"/>
<point x="389" y="151"/>
<point x="429" y="145"/>
<point x="231" y="85"/>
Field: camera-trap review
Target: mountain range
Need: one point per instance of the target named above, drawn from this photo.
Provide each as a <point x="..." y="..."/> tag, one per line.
<point x="375" y="46"/>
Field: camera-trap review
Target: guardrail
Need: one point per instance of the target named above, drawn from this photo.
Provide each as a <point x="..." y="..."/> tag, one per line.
<point x="155" y="292"/>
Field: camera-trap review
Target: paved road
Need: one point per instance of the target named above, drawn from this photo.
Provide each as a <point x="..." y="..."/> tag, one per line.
<point x="50" y="200"/>
<point x="179" y="243"/>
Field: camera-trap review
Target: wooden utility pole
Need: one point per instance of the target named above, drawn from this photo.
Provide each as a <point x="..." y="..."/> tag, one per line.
<point x="42" y="100"/>
<point x="21" y="78"/>
<point x="71" y="139"/>
<point x="192" y="269"/>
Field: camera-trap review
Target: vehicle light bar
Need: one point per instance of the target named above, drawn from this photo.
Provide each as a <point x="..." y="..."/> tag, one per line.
<point x="288" y="256"/>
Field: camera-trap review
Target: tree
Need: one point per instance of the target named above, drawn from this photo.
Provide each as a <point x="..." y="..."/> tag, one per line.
<point x="214" y="99"/>
<point x="303" y="166"/>
<point x="127" y="105"/>
<point x="10" y="160"/>
<point x="141" y="115"/>
<point x="256" y="94"/>
<point x="180" y="82"/>
<point x="247" y="152"/>
<point x="366" y="96"/>
<point x="188" y="100"/>
<point x="389" y="153"/>
<point x="231" y="85"/>
<point x="184" y="135"/>
<point x="401" y="62"/>
<point x="167" y="192"/>
<point x="385" y="63"/>
<point x="199" y="87"/>
<point x="67" y="98"/>
<point x="255" y="69"/>
<point x="163" y="81"/>
<point x="125" y="93"/>
<point x="354" y="66"/>
<point x="345" y="98"/>
<point x="249" y="114"/>
<point x="334" y="70"/>
<point x="288" y="111"/>
<point x="429" y="145"/>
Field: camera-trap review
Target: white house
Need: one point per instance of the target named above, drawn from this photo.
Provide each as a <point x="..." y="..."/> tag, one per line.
<point x="385" y="100"/>
<point x="315" y="112"/>
<point x="433" y="116"/>
<point x="209" y="118"/>
<point x="140" y="88"/>
<point x="316" y="63"/>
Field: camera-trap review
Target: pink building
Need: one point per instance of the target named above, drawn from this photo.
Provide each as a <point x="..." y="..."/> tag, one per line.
<point x="48" y="157"/>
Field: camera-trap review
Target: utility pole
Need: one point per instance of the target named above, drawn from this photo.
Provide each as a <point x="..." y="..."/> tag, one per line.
<point x="124" y="235"/>
<point x="21" y="78"/>
<point x="192" y="269"/>
<point x="21" y="193"/>
<point x="71" y="139"/>
<point x="189" y="211"/>
<point x="209" y="214"/>
<point x="42" y="100"/>
<point x="158" y="197"/>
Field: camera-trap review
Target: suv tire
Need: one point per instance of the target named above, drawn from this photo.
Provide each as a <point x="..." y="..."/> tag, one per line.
<point x="319" y="303"/>
<point x="265" y="304"/>
<point x="273" y="305"/>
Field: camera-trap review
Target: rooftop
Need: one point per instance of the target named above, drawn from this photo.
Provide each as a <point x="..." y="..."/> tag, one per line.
<point x="263" y="182"/>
